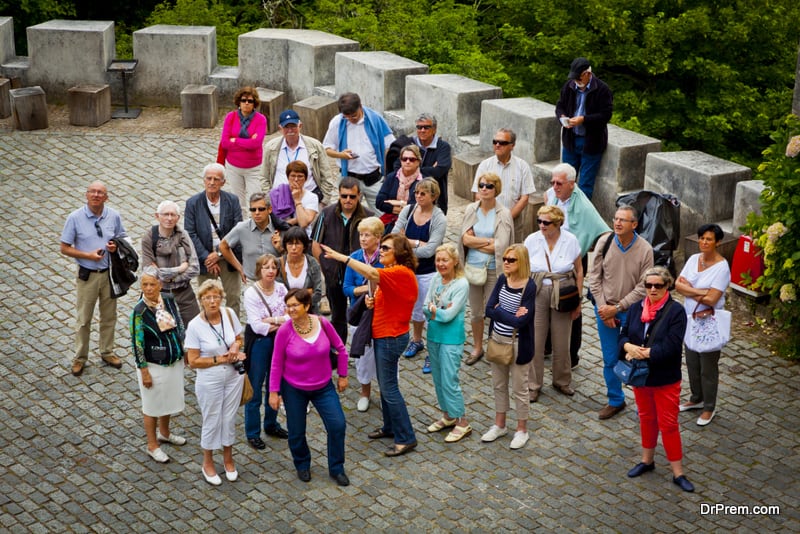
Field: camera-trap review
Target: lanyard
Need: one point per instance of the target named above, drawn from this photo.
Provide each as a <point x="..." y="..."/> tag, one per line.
<point x="220" y="339"/>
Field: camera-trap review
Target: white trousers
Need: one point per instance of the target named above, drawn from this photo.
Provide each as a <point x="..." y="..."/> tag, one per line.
<point x="219" y="391"/>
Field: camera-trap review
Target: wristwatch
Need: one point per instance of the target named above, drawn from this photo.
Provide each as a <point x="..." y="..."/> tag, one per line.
<point x="219" y="254"/>
<point x="618" y="307"/>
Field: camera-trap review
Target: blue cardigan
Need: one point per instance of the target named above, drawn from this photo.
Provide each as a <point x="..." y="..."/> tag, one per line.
<point x="524" y="324"/>
<point x="376" y="129"/>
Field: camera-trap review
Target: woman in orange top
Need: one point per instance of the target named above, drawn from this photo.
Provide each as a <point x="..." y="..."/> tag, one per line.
<point x="393" y="303"/>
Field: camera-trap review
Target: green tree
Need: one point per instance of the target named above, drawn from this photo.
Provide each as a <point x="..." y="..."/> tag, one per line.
<point x="31" y="12"/>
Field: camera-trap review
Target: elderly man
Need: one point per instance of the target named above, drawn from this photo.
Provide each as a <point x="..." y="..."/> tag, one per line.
<point x="584" y="109"/>
<point x="210" y="215"/>
<point x="87" y="236"/>
<point x="583" y="221"/>
<point x="294" y="146"/>
<point x="258" y="236"/>
<point x="616" y="279"/>
<point x="337" y="227"/>
<point x="514" y="173"/>
<point x="436" y="156"/>
<point x="359" y="137"/>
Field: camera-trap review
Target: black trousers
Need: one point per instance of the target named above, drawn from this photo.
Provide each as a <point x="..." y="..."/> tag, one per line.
<point x="338" y="301"/>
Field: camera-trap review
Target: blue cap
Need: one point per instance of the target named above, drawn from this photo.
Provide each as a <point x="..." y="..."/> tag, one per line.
<point x="289" y="116"/>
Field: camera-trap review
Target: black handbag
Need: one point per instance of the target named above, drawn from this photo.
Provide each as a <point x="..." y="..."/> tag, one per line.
<point x="568" y="296"/>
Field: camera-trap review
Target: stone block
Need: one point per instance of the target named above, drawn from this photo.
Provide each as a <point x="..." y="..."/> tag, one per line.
<point x="89" y="105"/>
<point x="5" y="98"/>
<point x="380" y="77"/>
<point x="29" y="108"/>
<point x="16" y="70"/>
<point x="66" y="53"/>
<point x="462" y="174"/>
<point x="170" y="58"/>
<point x="272" y="103"/>
<point x="622" y="169"/>
<point x="455" y="100"/>
<point x="227" y="81"/>
<point x="532" y="120"/>
<point x="704" y="184"/>
<point x="525" y="223"/>
<point x="292" y="61"/>
<point x="542" y="174"/>
<point x="199" y="106"/>
<point x="316" y="112"/>
<point x="726" y="247"/>
<point x="7" y="47"/>
<point x="747" y="200"/>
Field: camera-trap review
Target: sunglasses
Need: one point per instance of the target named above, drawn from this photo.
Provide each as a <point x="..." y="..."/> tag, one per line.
<point x="259" y="209"/>
<point x="409" y="159"/>
<point x="556" y="183"/>
<point x="385" y="248"/>
<point x="546" y="223"/>
<point x="98" y="229"/>
<point x="424" y="126"/>
<point x="500" y="142"/>
<point x="648" y="285"/>
<point x="483" y="185"/>
<point x="248" y="101"/>
<point x="509" y="260"/>
<point x="344" y="196"/>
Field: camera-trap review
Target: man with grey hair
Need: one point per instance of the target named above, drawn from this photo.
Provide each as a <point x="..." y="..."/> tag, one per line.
<point x="210" y="215"/>
<point x="169" y="249"/>
<point x="514" y="173"/>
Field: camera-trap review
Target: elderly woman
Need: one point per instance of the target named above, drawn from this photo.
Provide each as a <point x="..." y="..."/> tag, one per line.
<point x="653" y="331"/>
<point x="370" y="231"/>
<point x="298" y="268"/>
<point x="293" y="202"/>
<point x="266" y="311"/>
<point x="157" y="337"/>
<point x="424" y="225"/>
<point x="393" y="302"/>
<point x="169" y="248"/>
<point x="555" y="262"/>
<point x="301" y="372"/>
<point x="511" y="310"/>
<point x="213" y="347"/>
<point x="486" y="231"/>
<point x="397" y="189"/>
<point x="240" y="146"/>
<point x="703" y="282"/>
<point x="444" y="308"/>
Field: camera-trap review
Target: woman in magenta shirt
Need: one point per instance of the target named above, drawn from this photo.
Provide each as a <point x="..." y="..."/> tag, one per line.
<point x="240" y="146"/>
<point x="301" y="372"/>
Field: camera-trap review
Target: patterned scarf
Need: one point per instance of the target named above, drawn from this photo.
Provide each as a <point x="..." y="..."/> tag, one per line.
<point x="245" y="122"/>
<point x="164" y="318"/>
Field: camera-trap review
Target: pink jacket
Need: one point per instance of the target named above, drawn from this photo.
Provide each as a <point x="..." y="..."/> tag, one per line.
<point x="244" y="153"/>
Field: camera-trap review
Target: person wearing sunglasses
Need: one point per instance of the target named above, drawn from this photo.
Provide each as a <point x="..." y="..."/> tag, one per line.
<point x="486" y="230"/>
<point x="87" y="237"/>
<point x="658" y="400"/>
<point x="514" y="172"/>
<point x="555" y="262"/>
<point x="397" y="190"/>
<point x="240" y="145"/>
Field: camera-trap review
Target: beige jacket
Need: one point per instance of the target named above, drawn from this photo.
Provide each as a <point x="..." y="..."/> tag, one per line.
<point x="503" y="231"/>
<point x="326" y="178"/>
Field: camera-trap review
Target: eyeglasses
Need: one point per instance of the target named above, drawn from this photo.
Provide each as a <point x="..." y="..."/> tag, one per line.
<point x="542" y="221"/>
<point x="424" y="126"/>
<point x="168" y="214"/>
<point x="386" y="248"/>
<point x="649" y="285"/>
<point x="500" y="142"/>
<point x="247" y="101"/>
<point x="259" y="209"/>
<point x="211" y="298"/>
<point x="409" y="159"/>
<point x="620" y="219"/>
<point x="509" y="260"/>
<point x="97" y="227"/>
<point x="484" y="185"/>
<point x="345" y="196"/>
<point x="556" y="183"/>
<point x="299" y="176"/>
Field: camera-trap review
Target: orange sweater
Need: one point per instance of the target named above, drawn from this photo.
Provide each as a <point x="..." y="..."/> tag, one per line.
<point x="394" y="301"/>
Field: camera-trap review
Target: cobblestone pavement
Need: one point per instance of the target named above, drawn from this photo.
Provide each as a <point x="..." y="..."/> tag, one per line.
<point x="73" y="449"/>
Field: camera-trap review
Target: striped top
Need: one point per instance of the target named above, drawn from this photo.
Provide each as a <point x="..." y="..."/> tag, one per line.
<point x="510" y="300"/>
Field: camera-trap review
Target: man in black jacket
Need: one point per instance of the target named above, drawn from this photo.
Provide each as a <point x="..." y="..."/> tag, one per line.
<point x="584" y="109"/>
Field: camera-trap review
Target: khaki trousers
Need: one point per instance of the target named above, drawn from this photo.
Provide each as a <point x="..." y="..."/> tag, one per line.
<point x="519" y="388"/>
<point x="88" y="293"/>
<point x="559" y="324"/>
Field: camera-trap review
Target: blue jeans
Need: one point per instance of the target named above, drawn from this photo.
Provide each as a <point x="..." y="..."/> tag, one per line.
<point x="609" y="345"/>
<point x="587" y="165"/>
<point x="326" y="402"/>
<point x="393" y="406"/>
<point x="260" y="362"/>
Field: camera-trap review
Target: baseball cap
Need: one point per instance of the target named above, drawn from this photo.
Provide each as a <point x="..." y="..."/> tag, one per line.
<point x="289" y="116"/>
<point x="579" y="64"/>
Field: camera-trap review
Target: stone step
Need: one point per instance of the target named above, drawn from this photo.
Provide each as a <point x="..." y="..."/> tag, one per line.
<point x="227" y="81"/>
<point x="534" y="122"/>
<point x="324" y="90"/>
<point x="379" y="76"/>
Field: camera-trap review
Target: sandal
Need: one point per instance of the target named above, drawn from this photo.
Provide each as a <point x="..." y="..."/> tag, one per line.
<point x="441" y="424"/>
<point x="458" y="433"/>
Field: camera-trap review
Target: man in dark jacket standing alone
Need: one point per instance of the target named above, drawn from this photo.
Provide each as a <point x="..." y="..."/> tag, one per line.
<point x="584" y="109"/>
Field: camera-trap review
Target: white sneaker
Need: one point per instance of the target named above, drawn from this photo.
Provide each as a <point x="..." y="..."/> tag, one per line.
<point x="158" y="455"/>
<point x="520" y="439"/>
<point x="172" y="438"/>
<point x="363" y="404"/>
<point x="494" y="433"/>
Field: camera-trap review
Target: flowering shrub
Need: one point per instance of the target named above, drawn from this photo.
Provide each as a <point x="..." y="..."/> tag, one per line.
<point x="777" y="232"/>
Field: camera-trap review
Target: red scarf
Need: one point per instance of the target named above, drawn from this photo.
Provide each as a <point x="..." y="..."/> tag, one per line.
<point x="649" y="310"/>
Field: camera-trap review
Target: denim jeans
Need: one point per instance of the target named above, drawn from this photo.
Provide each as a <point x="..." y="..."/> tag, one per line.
<point x="260" y="362"/>
<point x="609" y="344"/>
<point x="393" y="406"/>
<point x="587" y="165"/>
<point x="326" y="402"/>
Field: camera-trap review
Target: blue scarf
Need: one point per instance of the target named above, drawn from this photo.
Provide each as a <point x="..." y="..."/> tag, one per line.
<point x="245" y="122"/>
<point x="376" y="129"/>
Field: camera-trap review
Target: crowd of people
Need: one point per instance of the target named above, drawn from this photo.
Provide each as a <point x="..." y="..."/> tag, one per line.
<point x="372" y="241"/>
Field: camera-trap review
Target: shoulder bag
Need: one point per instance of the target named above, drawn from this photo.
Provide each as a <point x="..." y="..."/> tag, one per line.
<point x="502" y="349"/>
<point x="635" y="372"/>
<point x="568" y="296"/>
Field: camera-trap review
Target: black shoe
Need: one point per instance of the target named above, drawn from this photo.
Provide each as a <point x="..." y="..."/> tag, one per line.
<point x="257" y="443"/>
<point x="378" y="434"/>
<point x="640" y="469"/>
<point x="683" y="483"/>
<point x="277" y="432"/>
<point x="341" y="479"/>
<point x="304" y="475"/>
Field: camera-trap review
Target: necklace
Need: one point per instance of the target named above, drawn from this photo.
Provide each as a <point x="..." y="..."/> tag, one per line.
<point x="307" y="330"/>
<point x="703" y="263"/>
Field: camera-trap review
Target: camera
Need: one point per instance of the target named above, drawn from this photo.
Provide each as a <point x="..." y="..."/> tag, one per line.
<point x="239" y="366"/>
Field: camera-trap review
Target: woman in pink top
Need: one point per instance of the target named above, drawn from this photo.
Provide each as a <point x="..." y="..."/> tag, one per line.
<point x="240" y="146"/>
<point x="301" y="372"/>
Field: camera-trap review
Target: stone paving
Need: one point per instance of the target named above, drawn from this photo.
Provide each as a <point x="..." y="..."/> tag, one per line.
<point x="73" y="449"/>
